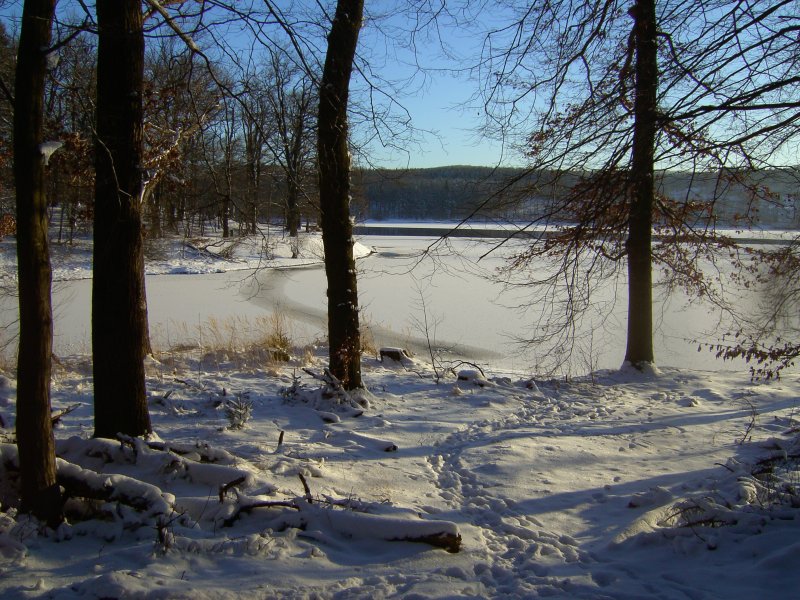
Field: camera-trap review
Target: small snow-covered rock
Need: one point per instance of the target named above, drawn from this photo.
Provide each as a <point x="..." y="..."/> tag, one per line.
<point x="473" y="376"/>
<point x="329" y="417"/>
<point x="655" y="496"/>
<point x="399" y="355"/>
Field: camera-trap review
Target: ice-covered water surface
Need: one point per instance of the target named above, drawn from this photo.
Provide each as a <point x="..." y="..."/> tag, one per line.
<point x="408" y="282"/>
<point x="413" y="292"/>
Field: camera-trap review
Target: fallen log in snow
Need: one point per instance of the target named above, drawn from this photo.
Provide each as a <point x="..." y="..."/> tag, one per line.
<point x="359" y="525"/>
<point x="142" y="496"/>
<point x="318" y="520"/>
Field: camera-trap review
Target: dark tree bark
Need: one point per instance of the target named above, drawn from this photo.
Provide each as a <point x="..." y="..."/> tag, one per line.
<point x="344" y="338"/>
<point x="292" y="207"/>
<point x="224" y="216"/>
<point x="294" y="161"/>
<point x="253" y="143"/>
<point x="40" y="492"/>
<point x="119" y="306"/>
<point x="640" y="286"/>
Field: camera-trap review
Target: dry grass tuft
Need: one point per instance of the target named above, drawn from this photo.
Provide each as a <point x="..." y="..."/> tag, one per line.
<point x="241" y="341"/>
<point x="368" y="344"/>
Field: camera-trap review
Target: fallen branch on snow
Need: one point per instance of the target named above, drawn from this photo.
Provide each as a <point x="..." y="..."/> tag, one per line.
<point x="197" y="452"/>
<point x="83" y="483"/>
<point x="357" y="525"/>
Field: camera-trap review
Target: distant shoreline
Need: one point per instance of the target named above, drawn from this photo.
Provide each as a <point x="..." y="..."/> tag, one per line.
<point x="492" y="231"/>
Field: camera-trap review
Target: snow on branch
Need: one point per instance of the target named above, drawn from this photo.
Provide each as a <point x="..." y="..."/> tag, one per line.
<point x="157" y="6"/>
<point x="46" y="149"/>
<point x="139" y="502"/>
<point x="319" y="519"/>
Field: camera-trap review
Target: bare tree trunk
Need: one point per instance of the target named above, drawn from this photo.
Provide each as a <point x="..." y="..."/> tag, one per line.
<point x="224" y="215"/>
<point x="253" y="177"/>
<point x="40" y="492"/>
<point x="153" y="205"/>
<point x="292" y="206"/>
<point x="119" y="306"/>
<point x="640" y="285"/>
<point x="294" y="166"/>
<point x="334" y="189"/>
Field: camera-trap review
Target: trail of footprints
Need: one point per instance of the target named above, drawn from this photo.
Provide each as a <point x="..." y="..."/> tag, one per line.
<point x="519" y="545"/>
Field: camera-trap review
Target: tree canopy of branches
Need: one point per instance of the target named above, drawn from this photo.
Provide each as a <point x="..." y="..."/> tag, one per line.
<point x="289" y="98"/>
<point x="726" y="105"/>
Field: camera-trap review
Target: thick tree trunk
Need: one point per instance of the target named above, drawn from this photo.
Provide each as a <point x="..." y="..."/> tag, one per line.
<point x="119" y="306"/>
<point x="640" y="285"/>
<point x="344" y="338"/>
<point x="40" y="492"/>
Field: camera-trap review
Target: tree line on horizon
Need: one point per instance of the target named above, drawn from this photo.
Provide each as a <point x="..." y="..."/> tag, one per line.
<point x="237" y="146"/>
<point x="457" y="192"/>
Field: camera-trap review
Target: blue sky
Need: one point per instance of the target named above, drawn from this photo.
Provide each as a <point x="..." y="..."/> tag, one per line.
<point x="433" y="84"/>
<point x="448" y="129"/>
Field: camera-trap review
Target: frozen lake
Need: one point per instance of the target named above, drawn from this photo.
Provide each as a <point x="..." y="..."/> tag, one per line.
<point x="473" y="317"/>
<point x="469" y="315"/>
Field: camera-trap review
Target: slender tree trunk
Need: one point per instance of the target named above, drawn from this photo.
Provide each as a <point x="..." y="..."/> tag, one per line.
<point x="292" y="208"/>
<point x="294" y="164"/>
<point x="153" y="204"/>
<point x="37" y="459"/>
<point x="252" y="184"/>
<point x="334" y="188"/>
<point x="640" y="285"/>
<point x="224" y="215"/>
<point x="119" y="306"/>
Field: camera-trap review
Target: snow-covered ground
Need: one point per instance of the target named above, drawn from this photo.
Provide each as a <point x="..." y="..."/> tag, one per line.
<point x="675" y="483"/>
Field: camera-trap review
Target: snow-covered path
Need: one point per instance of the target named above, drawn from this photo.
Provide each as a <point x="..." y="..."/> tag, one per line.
<point x="546" y="489"/>
<point x="559" y="488"/>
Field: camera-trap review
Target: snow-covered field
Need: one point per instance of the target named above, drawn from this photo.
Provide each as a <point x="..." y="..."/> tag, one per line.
<point x="675" y="483"/>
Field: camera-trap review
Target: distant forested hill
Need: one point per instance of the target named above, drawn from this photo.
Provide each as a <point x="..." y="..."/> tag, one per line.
<point x="456" y="192"/>
<point x="443" y="193"/>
